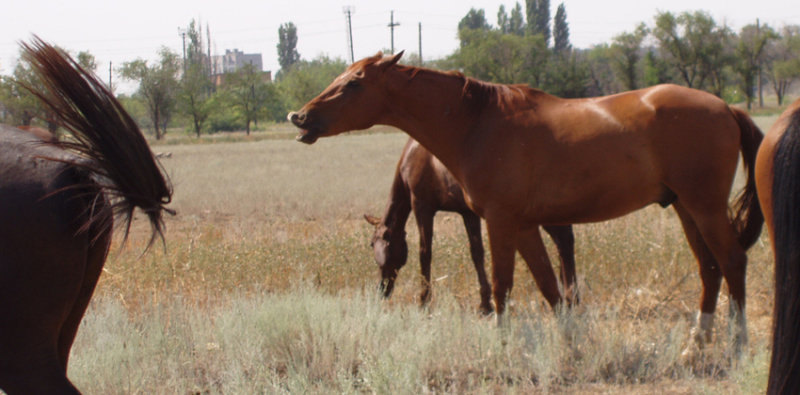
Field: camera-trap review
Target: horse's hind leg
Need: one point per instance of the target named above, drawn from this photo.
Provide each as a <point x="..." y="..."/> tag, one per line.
<point x="473" y="225"/>
<point x="530" y="246"/>
<point x="720" y="238"/>
<point x="710" y="275"/>
<point x="94" y="266"/>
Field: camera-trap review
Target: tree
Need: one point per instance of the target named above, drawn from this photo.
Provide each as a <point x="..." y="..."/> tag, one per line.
<point x="23" y="105"/>
<point x="247" y="92"/>
<point x="567" y="75"/>
<point x="783" y="61"/>
<point x="750" y="51"/>
<point x="538" y="12"/>
<point x="158" y="85"/>
<point x="503" y="21"/>
<point x="626" y="49"/>
<point x="695" y="46"/>
<point x="516" y="23"/>
<point x="504" y="58"/>
<point x="561" y="30"/>
<point x="656" y="70"/>
<point x="287" y="46"/>
<point x="306" y="80"/>
<point x="87" y="61"/>
<point x="601" y="76"/>
<point x="474" y="20"/>
<point x="194" y="98"/>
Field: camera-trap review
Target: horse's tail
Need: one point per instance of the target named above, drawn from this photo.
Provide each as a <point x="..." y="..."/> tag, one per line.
<point x="783" y="376"/>
<point x="103" y="132"/>
<point x="748" y="218"/>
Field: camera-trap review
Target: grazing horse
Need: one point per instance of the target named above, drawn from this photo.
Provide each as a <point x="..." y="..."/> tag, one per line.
<point x="57" y="205"/>
<point x="525" y="158"/>
<point x="423" y="185"/>
<point x="778" y="182"/>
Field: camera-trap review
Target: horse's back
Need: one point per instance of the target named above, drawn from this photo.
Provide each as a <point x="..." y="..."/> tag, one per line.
<point x="429" y="180"/>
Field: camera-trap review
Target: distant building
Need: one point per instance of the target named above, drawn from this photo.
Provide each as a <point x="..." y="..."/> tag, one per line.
<point x="235" y="59"/>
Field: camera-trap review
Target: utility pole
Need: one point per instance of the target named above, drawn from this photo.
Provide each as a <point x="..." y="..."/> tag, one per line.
<point x="758" y="73"/>
<point x="420" y="43"/>
<point x="182" y="33"/>
<point x="391" y="25"/>
<point x="110" y="87"/>
<point x="348" y="12"/>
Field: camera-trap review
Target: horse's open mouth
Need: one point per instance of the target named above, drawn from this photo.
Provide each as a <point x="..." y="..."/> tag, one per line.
<point x="307" y="136"/>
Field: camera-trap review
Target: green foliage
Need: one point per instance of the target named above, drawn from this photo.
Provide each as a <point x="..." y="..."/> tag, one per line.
<point x="626" y="49"/>
<point x="248" y="94"/>
<point x="750" y="51"/>
<point x="783" y="61"/>
<point x="538" y="12"/>
<point x="696" y="47"/>
<point x="506" y="58"/>
<point x="561" y="30"/>
<point x="287" y="46"/>
<point x="602" y="80"/>
<point x="474" y="20"/>
<point x="656" y="70"/>
<point x="306" y="80"/>
<point x="158" y="87"/>
<point x="568" y="75"/>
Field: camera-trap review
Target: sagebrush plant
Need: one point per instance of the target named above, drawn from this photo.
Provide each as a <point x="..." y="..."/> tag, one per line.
<point x="267" y="285"/>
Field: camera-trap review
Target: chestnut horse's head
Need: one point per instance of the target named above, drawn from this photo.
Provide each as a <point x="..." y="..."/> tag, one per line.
<point x="353" y="101"/>
<point x="391" y="252"/>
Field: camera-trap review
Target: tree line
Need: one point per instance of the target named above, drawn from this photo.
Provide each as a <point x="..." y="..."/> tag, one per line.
<point x="526" y="45"/>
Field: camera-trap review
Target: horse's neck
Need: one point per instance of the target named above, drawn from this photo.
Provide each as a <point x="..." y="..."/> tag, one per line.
<point x="399" y="207"/>
<point x="430" y="106"/>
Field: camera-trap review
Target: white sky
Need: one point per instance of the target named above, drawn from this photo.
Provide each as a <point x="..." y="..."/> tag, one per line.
<point x="116" y="31"/>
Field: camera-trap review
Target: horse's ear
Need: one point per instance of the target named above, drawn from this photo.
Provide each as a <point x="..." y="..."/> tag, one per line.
<point x="392" y="60"/>
<point x="374" y="221"/>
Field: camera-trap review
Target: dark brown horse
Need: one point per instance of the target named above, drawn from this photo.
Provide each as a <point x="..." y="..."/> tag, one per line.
<point x="423" y="185"/>
<point x="57" y="204"/>
<point x="525" y="158"/>
<point x="778" y="182"/>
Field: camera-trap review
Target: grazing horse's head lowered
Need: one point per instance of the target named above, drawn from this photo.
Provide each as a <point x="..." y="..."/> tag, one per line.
<point x="391" y="253"/>
<point x="354" y="88"/>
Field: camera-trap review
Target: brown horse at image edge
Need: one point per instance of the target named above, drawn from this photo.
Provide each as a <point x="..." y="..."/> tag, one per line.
<point x="525" y="158"/>
<point x="423" y="185"/>
<point x="57" y="205"/>
<point x="778" y="182"/>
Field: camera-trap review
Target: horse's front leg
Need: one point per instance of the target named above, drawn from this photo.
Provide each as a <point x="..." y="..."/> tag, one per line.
<point x="502" y="245"/>
<point x="424" y="219"/>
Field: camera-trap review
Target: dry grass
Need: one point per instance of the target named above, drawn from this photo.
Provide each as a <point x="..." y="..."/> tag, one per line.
<point x="267" y="285"/>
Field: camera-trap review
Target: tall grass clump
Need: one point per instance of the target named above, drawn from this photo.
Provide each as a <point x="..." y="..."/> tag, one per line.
<point x="307" y="341"/>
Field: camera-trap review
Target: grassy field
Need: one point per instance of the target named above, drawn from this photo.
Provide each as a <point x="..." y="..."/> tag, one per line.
<point x="267" y="285"/>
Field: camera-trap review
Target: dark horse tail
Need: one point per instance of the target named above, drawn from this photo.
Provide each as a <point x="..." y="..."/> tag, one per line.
<point x="783" y="378"/>
<point x="104" y="134"/>
<point x="748" y="218"/>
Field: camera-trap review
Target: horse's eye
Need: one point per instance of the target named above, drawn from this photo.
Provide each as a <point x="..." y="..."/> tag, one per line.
<point x="353" y="84"/>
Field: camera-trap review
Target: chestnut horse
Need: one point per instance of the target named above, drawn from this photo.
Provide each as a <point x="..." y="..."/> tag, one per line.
<point x="525" y="158"/>
<point x="778" y="182"/>
<point x="57" y="203"/>
<point x="423" y="185"/>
